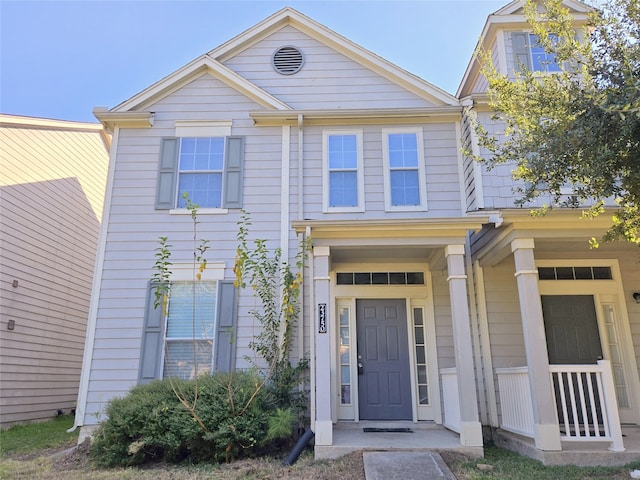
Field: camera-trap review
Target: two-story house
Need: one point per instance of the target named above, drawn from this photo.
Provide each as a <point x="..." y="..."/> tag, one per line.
<point x="548" y="308"/>
<point x="410" y="302"/>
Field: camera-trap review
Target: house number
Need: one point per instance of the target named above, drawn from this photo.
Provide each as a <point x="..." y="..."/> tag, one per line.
<point x="322" y="318"/>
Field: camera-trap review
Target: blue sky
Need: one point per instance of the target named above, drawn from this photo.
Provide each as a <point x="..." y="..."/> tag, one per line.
<point x="59" y="59"/>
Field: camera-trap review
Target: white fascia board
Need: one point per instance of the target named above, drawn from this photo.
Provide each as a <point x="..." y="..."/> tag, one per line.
<point x="8" y="120"/>
<point x="182" y="76"/>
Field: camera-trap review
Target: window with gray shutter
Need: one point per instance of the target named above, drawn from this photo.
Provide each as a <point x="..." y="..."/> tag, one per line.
<point x="521" y="51"/>
<point x="200" y="325"/>
<point x="208" y="169"/>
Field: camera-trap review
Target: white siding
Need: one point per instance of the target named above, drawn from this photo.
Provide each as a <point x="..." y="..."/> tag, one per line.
<point x="441" y="172"/>
<point x="52" y="190"/>
<point x="328" y="79"/>
<point x="135" y="227"/>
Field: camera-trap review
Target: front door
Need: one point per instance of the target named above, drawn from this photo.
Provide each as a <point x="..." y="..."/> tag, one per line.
<point x="384" y="384"/>
<point x="573" y="338"/>
<point x="572" y="331"/>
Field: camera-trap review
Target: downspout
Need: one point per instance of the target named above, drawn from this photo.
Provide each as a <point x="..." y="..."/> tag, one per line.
<point x="90" y="336"/>
<point x="300" y="166"/>
<point x="285" y="202"/>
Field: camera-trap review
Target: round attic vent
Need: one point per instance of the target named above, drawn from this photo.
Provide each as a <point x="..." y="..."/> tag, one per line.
<point x="287" y="60"/>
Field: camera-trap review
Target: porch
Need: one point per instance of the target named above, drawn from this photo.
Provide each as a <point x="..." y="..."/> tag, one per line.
<point x="387" y="436"/>
<point x="574" y="453"/>
<point x="586" y="412"/>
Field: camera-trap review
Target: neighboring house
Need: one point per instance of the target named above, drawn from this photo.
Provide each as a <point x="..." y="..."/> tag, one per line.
<point x="52" y="183"/>
<point x="422" y="296"/>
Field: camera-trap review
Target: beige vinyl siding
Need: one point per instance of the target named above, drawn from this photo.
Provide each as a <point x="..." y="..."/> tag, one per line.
<point x="328" y="79"/>
<point x="135" y="227"/>
<point x="52" y="188"/>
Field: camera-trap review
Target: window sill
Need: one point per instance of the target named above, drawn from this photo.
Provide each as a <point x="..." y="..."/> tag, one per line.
<point x="408" y="208"/>
<point x="343" y="210"/>
<point x="201" y="211"/>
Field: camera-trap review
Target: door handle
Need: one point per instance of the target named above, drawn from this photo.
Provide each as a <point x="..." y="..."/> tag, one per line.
<point x="360" y="369"/>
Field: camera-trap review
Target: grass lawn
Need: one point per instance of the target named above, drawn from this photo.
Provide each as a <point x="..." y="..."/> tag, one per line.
<point x="28" y="439"/>
<point x="28" y="452"/>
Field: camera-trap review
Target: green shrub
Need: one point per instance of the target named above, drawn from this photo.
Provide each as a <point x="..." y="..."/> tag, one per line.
<point x="233" y="417"/>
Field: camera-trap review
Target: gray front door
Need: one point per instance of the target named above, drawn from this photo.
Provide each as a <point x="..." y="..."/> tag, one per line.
<point x="384" y="385"/>
<point x="571" y="327"/>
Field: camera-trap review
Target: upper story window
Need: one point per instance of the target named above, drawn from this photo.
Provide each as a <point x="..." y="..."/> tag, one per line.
<point x="405" y="183"/>
<point x="343" y="176"/>
<point x="528" y="52"/>
<point x="208" y="168"/>
<point x="200" y="168"/>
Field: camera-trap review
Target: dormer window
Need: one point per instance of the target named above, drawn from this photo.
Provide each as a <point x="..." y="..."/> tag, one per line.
<point x="530" y="54"/>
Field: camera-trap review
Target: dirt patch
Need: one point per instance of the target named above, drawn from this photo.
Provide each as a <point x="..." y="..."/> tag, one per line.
<point x="76" y="464"/>
<point x="76" y="458"/>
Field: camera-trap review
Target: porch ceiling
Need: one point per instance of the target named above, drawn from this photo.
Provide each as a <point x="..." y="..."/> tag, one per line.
<point x="556" y="235"/>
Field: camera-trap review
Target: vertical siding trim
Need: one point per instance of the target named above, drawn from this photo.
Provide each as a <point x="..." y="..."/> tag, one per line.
<point x="90" y="337"/>
<point x="501" y="47"/>
<point x="485" y="343"/>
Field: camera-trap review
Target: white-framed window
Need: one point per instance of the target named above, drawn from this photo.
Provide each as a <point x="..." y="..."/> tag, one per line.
<point x="343" y="176"/>
<point x="531" y="54"/>
<point x="404" y="171"/>
<point x="205" y="161"/>
<point x="189" y="332"/>
<point x="200" y="169"/>
<point x="195" y="333"/>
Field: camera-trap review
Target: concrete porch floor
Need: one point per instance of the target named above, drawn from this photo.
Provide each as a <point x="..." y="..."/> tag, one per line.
<point x="575" y="453"/>
<point x="426" y="436"/>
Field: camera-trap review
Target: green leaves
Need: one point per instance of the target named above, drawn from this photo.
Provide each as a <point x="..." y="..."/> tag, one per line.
<point x="573" y="136"/>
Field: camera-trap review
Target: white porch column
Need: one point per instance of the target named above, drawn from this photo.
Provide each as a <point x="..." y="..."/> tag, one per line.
<point x="546" y="430"/>
<point x="470" y="426"/>
<point x="323" y="424"/>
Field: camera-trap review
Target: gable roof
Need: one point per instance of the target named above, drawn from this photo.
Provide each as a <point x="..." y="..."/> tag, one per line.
<point x="511" y="16"/>
<point x="213" y="64"/>
<point x="291" y="17"/>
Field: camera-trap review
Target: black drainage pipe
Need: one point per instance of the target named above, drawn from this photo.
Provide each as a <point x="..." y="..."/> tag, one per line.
<point x="298" y="447"/>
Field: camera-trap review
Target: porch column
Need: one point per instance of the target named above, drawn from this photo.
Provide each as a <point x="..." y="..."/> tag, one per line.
<point x="546" y="430"/>
<point x="323" y="423"/>
<point x="470" y="426"/>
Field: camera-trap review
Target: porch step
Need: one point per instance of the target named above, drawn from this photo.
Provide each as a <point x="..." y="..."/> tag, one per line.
<point x="426" y="437"/>
<point x="405" y="465"/>
<point x="585" y="454"/>
<point x="361" y="425"/>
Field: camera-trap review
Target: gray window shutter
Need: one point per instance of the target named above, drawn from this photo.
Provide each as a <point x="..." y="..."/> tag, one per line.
<point x="152" y="340"/>
<point x="226" y="327"/>
<point x="521" y="51"/>
<point x="167" y="171"/>
<point x="233" y="172"/>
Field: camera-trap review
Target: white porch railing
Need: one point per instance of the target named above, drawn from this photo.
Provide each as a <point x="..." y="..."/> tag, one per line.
<point x="585" y="398"/>
<point x="515" y="400"/>
<point x="451" y="399"/>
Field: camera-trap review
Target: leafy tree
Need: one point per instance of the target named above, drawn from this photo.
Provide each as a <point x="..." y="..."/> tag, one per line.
<point x="579" y="127"/>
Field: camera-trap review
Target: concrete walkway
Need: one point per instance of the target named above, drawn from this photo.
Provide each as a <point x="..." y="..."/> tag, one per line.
<point x="405" y="466"/>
